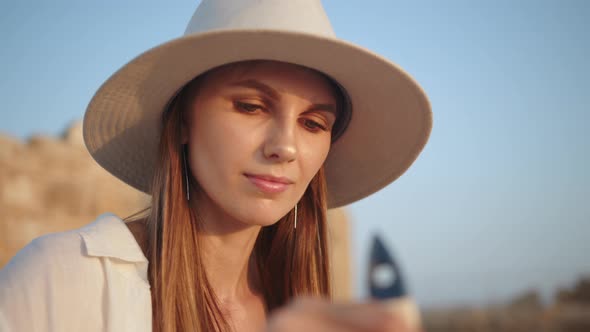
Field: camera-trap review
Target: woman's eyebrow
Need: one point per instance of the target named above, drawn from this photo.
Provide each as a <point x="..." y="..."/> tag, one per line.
<point x="330" y="108"/>
<point x="274" y="94"/>
<point x="257" y="85"/>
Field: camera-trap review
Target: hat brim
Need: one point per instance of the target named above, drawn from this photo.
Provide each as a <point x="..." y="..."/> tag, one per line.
<point x="391" y="116"/>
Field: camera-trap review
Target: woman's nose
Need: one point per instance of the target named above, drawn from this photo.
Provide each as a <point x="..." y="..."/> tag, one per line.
<point x="280" y="145"/>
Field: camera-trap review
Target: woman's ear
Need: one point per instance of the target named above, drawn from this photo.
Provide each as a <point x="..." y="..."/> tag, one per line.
<point x="187" y="97"/>
<point x="183" y="131"/>
<point x="185" y="120"/>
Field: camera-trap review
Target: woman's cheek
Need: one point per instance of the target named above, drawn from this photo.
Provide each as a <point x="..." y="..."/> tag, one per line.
<point x="314" y="155"/>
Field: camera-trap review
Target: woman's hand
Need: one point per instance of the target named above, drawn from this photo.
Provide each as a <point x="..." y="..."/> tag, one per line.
<point x="317" y="315"/>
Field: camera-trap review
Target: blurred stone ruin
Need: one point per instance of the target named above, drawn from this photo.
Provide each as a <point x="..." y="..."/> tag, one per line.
<point x="51" y="184"/>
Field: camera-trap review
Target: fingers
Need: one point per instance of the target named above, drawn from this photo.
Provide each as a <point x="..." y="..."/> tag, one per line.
<point x="311" y="315"/>
<point x="286" y="320"/>
<point x="361" y="316"/>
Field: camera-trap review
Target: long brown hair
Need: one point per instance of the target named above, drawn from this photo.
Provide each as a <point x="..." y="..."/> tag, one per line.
<point x="290" y="261"/>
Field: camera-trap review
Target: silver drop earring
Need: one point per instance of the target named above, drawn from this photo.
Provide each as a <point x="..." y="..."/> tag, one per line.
<point x="188" y="192"/>
<point x="295" y="217"/>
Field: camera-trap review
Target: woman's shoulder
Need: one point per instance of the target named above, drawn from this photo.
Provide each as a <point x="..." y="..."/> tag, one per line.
<point x="73" y="251"/>
<point x="70" y="278"/>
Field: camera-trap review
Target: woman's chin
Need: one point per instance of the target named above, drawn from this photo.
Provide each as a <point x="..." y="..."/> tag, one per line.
<point x="261" y="220"/>
<point x="263" y="217"/>
<point x="264" y="211"/>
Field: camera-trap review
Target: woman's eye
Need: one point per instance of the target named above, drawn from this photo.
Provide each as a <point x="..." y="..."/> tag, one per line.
<point x="312" y="125"/>
<point x="247" y="107"/>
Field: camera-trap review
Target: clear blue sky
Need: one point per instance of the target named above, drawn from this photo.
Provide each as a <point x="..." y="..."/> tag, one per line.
<point x="498" y="202"/>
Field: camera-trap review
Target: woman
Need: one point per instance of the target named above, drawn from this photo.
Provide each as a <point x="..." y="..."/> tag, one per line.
<point x="244" y="131"/>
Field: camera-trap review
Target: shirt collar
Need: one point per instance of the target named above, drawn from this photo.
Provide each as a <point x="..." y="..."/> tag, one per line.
<point x="108" y="236"/>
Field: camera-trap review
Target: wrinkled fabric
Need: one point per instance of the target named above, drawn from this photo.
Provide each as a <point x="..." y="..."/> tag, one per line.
<point x="89" y="279"/>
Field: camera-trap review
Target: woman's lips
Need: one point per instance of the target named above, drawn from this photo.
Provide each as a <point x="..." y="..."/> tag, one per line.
<point x="269" y="184"/>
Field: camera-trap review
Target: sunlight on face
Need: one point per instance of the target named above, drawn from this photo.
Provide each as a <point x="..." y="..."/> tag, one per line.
<point x="258" y="134"/>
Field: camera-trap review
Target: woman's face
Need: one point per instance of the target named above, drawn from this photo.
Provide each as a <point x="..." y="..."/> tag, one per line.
<point x="257" y="135"/>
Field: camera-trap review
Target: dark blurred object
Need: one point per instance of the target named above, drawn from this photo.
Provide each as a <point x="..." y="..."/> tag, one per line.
<point x="385" y="277"/>
<point x="387" y="285"/>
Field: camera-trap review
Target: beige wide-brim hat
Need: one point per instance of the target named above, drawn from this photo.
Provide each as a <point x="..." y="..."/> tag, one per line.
<point x="391" y="117"/>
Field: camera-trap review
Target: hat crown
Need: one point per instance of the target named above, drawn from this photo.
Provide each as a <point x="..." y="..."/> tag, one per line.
<point x="307" y="16"/>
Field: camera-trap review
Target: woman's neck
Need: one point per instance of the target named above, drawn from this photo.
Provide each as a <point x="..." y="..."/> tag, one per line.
<point x="227" y="248"/>
<point x="227" y="253"/>
<point x="230" y="264"/>
<point x="231" y="271"/>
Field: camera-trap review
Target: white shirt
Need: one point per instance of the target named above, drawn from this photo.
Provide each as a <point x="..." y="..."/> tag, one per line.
<point x="89" y="279"/>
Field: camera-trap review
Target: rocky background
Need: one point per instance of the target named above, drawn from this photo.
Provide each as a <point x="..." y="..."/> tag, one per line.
<point x="51" y="184"/>
<point x="568" y="312"/>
